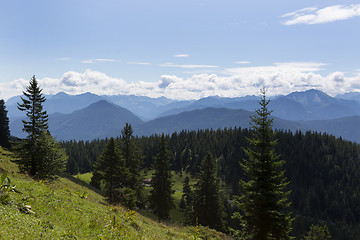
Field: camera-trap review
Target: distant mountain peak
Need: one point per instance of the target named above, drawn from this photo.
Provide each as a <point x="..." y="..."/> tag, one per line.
<point x="61" y="94"/>
<point x="311" y="97"/>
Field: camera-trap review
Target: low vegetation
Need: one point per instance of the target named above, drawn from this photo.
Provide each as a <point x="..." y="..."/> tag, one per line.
<point x="62" y="209"/>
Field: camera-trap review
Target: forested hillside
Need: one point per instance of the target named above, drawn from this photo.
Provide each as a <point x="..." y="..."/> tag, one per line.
<point x="324" y="171"/>
<point x="69" y="209"/>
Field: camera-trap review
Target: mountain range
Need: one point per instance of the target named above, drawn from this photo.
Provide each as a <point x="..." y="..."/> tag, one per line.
<point x="89" y="116"/>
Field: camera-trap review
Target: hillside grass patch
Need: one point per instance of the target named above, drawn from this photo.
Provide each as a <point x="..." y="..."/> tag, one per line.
<point x="63" y="209"/>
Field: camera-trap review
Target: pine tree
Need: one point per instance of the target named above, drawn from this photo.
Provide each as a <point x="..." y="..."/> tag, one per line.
<point x="264" y="202"/>
<point x="186" y="202"/>
<point x="4" y="126"/>
<point x="132" y="162"/>
<point x="33" y="105"/>
<point x="187" y="192"/>
<point x="110" y="168"/>
<point x="39" y="154"/>
<point x="161" y="200"/>
<point x="51" y="157"/>
<point x="208" y="207"/>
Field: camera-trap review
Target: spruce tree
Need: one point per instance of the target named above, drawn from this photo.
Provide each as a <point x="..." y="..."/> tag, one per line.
<point x="208" y="207"/>
<point x="4" y="126"/>
<point x="51" y="157"/>
<point x="111" y="170"/>
<point x="133" y="162"/>
<point x="33" y="105"/>
<point x="187" y="202"/>
<point x="39" y="154"/>
<point x="187" y="192"/>
<point x="161" y="200"/>
<point x="264" y="200"/>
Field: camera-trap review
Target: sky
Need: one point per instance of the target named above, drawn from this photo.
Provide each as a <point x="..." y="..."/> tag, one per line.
<point x="180" y="49"/>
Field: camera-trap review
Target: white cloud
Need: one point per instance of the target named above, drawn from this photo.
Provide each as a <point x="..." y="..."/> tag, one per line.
<point x="140" y="63"/>
<point x="323" y="15"/>
<point x="87" y="61"/>
<point x="181" y="55"/>
<point x="277" y="67"/>
<point x="242" y="62"/>
<point x="63" y="59"/>
<point x="187" y="65"/>
<point x="279" y="78"/>
<point x="98" y="60"/>
<point x="104" y="60"/>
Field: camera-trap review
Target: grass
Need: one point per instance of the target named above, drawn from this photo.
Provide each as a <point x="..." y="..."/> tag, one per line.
<point x="178" y="179"/>
<point x="64" y="209"/>
<point x="85" y="177"/>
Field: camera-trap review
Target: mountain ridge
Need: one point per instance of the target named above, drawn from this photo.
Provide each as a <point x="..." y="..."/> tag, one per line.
<point x="309" y="110"/>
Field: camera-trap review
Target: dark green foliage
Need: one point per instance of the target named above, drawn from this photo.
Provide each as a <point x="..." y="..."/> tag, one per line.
<point x="83" y="154"/>
<point x="186" y="203"/>
<point x="187" y="193"/>
<point x="40" y="155"/>
<point x="33" y="105"/>
<point x="161" y="200"/>
<point x="133" y="162"/>
<point x="112" y="171"/>
<point x="324" y="171"/>
<point x="263" y="202"/>
<point x="51" y="157"/>
<point x="318" y="233"/>
<point x="47" y="157"/>
<point x="208" y="207"/>
<point x="4" y="126"/>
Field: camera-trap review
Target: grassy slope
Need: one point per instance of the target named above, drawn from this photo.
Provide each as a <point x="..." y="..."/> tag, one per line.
<point x="178" y="180"/>
<point x="66" y="210"/>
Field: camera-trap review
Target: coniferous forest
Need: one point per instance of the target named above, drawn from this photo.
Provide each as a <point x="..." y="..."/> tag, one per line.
<point x="323" y="171"/>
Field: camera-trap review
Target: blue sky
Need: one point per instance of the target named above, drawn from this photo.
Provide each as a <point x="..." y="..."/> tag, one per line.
<point x="180" y="49"/>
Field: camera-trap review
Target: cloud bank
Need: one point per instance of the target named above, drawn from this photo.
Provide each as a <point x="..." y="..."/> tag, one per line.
<point x="323" y="15"/>
<point x="279" y="78"/>
<point x="184" y="55"/>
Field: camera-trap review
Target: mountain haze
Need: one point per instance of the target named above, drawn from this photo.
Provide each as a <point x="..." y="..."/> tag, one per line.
<point x="91" y="118"/>
<point x="208" y="118"/>
<point x="99" y="120"/>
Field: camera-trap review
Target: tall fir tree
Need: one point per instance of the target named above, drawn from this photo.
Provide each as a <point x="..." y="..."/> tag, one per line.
<point x="161" y="200"/>
<point x="39" y="150"/>
<point x="208" y="207"/>
<point x="186" y="202"/>
<point x="33" y="105"/>
<point x="4" y="126"/>
<point x="264" y="201"/>
<point x="133" y="162"/>
<point x="111" y="170"/>
<point x="51" y="157"/>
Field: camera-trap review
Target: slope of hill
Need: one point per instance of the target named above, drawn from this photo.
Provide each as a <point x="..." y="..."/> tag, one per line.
<point x="145" y="107"/>
<point x="321" y="106"/>
<point x="350" y="96"/>
<point x="99" y="120"/>
<point x="307" y="105"/>
<point x="347" y="128"/>
<point x="65" y="103"/>
<point x="68" y="209"/>
<point x="215" y="101"/>
<point x="58" y="103"/>
<point x="207" y="118"/>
